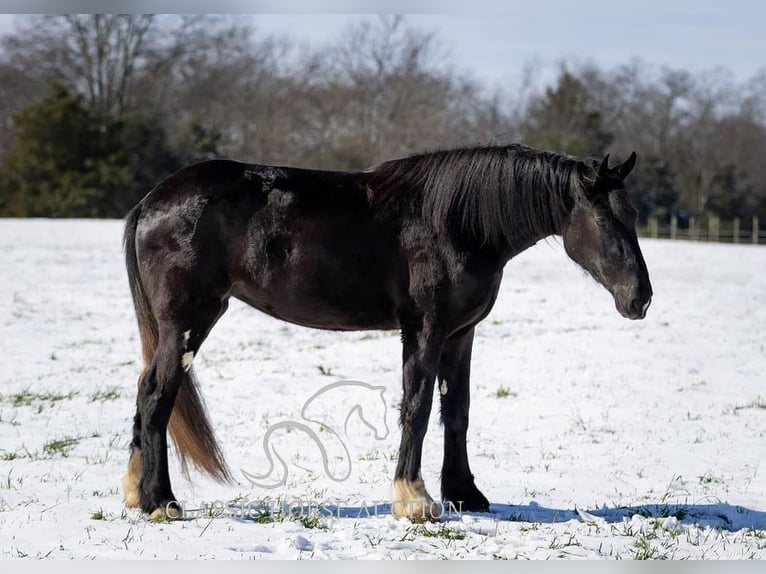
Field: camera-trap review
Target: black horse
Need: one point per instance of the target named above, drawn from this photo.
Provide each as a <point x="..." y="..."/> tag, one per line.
<point x="416" y="244"/>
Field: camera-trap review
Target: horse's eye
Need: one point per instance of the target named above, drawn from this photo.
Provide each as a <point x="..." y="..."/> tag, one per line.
<point x="601" y="222"/>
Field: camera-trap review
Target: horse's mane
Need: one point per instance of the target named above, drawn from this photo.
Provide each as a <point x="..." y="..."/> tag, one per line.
<point x="490" y="192"/>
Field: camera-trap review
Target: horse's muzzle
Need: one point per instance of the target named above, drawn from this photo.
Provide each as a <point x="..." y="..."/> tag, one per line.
<point x="635" y="308"/>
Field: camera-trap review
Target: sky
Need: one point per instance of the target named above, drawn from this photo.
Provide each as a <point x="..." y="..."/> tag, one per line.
<point x="497" y="41"/>
<point x="496" y="47"/>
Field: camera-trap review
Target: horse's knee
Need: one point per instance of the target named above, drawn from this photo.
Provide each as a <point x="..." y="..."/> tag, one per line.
<point x="157" y="396"/>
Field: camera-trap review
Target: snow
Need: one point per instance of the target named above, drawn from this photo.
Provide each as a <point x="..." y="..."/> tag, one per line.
<point x="593" y="436"/>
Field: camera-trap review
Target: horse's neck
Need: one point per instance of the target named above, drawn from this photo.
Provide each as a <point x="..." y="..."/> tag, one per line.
<point x="526" y="235"/>
<point x="522" y="241"/>
<point x="520" y="244"/>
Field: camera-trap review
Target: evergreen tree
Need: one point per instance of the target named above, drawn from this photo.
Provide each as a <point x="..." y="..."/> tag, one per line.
<point x="566" y="119"/>
<point x="68" y="161"/>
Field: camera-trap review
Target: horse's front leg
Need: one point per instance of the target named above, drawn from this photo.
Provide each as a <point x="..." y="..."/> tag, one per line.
<point x="421" y="350"/>
<point x="454" y="374"/>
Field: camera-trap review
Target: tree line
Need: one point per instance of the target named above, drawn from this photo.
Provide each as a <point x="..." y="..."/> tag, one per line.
<point x="96" y="109"/>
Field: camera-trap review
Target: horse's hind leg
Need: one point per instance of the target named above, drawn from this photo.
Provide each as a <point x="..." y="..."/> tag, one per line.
<point x="179" y="340"/>
<point x="454" y="373"/>
<point x="131" y="481"/>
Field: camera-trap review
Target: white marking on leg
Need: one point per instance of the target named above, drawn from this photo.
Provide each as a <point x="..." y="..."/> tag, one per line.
<point x="187" y="334"/>
<point x="132" y="479"/>
<point x="411" y="500"/>
<point x="443" y="387"/>
<point x="186" y="360"/>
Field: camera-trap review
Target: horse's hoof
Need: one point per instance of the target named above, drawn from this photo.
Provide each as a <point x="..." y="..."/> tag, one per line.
<point x="158" y="515"/>
<point x="170" y="511"/>
<point x="471" y="502"/>
<point x="468" y="505"/>
<point x="463" y="496"/>
<point x="411" y="500"/>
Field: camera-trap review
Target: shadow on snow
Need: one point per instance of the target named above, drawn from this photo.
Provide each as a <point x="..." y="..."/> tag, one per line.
<point x="718" y="515"/>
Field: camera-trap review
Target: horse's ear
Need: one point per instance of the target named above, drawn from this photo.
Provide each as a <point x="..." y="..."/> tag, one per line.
<point x="603" y="169"/>
<point x="626" y="167"/>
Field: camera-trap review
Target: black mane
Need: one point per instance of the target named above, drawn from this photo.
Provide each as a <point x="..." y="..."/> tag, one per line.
<point x="492" y="193"/>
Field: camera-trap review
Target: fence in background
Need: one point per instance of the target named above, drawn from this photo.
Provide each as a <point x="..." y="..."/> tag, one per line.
<point x="707" y="229"/>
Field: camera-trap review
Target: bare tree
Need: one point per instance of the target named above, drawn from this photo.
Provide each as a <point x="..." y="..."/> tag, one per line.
<point x="97" y="54"/>
<point x="388" y="89"/>
<point x="217" y="85"/>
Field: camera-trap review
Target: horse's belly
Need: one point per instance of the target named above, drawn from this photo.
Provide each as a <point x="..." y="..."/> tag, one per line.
<point x="339" y="290"/>
<point x="313" y="308"/>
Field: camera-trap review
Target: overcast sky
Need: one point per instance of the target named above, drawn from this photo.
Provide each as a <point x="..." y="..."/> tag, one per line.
<point x="495" y="46"/>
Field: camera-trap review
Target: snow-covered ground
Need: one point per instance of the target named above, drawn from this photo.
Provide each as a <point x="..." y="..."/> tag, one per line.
<point x="592" y="435"/>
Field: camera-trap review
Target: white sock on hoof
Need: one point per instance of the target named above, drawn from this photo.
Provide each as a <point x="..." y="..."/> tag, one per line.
<point x="410" y="499"/>
<point x="169" y="512"/>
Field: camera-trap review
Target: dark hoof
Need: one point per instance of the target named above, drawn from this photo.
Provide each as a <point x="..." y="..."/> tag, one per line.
<point x="466" y="499"/>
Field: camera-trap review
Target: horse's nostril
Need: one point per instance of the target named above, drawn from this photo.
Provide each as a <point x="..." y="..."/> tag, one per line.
<point x="646" y="306"/>
<point x="639" y="306"/>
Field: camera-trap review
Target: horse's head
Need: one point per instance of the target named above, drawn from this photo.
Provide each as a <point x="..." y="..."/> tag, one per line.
<point x="600" y="235"/>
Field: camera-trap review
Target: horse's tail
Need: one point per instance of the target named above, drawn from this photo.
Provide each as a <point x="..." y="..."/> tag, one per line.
<point x="147" y="324"/>
<point x="189" y="425"/>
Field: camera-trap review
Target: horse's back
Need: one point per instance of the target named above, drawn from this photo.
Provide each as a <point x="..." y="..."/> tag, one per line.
<point x="301" y="245"/>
